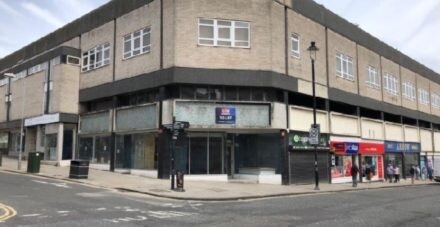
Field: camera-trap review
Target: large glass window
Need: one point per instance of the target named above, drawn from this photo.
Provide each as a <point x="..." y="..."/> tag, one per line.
<point x="344" y="66"/>
<point x="423" y="96"/>
<point x="295" y="51"/>
<point x="51" y="147"/>
<point x="136" y="43"/>
<point x="391" y="84"/>
<point x="372" y="77"/>
<point x="96" y="149"/>
<point x="136" y="151"/>
<point x="435" y="100"/>
<point x="213" y="32"/>
<point x="409" y="90"/>
<point x="205" y="154"/>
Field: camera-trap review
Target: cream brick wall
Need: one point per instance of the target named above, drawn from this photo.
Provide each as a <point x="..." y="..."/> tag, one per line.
<point x="72" y="43"/>
<point x="437" y="141"/>
<point x="89" y="40"/>
<point x="435" y="88"/>
<point x="3" y="91"/>
<point x="301" y="119"/>
<point x="257" y="12"/>
<point x="65" y="91"/>
<point x="426" y="140"/>
<point x="344" y="124"/>
<point x="393" y="69"/>
<point x="305" y="87"/>
<point x="34" y="93"/>
<point x="368" y="58"/>
<point x="169" y="27"/>
<point x="408" y="76"/>
<point x="423" y="83"/>
<point x="372" y="129"/>
<point x="340" y="44"/>
<point x="308" y="31"/>
<point x="411" y="134"/>
<point x="393" y="132"/>
<point x="148" y="15"/>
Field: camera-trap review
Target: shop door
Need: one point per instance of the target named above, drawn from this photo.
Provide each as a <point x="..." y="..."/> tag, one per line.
<point x="395" y="160"/>
<point x="410" y="160"/>
<point x="205" y="155"/>
<point x="302" y="167"/>
<point x="67" y="144"/>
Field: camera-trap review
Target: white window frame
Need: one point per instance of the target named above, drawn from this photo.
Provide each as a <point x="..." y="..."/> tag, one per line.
<point x="131" y="38"/>
<point x="70" y="57"/>
<point x="390" y="84"/>
<point x="295" y="38"/>
<point x="232" y="39"/>
<point x="423" y="96"/>
<point x="373" y="80"/>
<point x="409" y="90"/>
<point x="87" y="65"/>
<point x="435" y="100"/>
<point x="344" y="73"/>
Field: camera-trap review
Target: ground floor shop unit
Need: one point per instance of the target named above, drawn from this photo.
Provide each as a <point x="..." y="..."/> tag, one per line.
<point x="404" y="155"/>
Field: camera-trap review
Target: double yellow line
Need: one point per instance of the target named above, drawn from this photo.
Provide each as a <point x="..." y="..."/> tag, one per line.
<point x="8" y="212"/>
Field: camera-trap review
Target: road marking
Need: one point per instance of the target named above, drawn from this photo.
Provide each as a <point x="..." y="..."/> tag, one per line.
<point x="127" y="219"/>
<point x="63" y="211"/>
<point x="101" y="209"/>
<point x="172" y="205"/>
<point x="60" y="185"/>
<point x="30" y="215"/>
<point x="168" y="214"/>
<point x="9" y="212"/>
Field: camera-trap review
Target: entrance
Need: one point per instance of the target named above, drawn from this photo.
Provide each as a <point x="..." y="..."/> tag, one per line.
<point x="205" y="154"/>
<point x="302" y="167"/>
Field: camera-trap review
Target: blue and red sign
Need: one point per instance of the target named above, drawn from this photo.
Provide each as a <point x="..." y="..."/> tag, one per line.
<point x="353" y="148"/>
<point x="393" y="147"/>
<point x="225" y="115"/>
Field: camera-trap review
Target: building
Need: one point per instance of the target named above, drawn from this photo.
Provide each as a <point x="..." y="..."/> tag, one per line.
<point x="101" y="87"/>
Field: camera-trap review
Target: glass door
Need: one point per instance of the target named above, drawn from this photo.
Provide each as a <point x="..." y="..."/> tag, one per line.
<point x="205" y="154"/>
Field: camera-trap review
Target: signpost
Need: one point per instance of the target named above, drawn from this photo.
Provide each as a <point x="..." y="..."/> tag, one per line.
<point x="175" y="128"/>
<point x="314" y="134"/>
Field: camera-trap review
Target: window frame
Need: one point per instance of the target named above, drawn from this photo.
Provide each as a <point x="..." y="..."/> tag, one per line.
<point x="295" y="37"/>
<point x="132" y="39"/>
<point x="375" y="83"/>
<point x="409" y="90"/>
<point x="95" y="52"/>
<point x="423" y="96"/>
<point x="435" y="100"/>
<point x="235" y="24"/>
<point x="345" y="70"/>
<point x="391" y="80"/>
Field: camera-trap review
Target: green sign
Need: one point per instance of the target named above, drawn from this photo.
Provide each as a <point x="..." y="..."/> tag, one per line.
<point x="300" y="141"/>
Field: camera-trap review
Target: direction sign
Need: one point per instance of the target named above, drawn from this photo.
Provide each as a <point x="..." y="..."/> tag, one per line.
<point x="314" y="134"/>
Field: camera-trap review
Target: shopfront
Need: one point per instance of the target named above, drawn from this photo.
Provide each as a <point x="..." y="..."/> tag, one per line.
<point x="345" y="154"/>
<point x="302" y="158"/>
<point x="371" y="161"/>
<point x="403" y="155"/>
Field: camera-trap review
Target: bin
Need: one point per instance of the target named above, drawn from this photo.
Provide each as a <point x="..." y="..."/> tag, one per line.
<point x="1" y="158"/>
<point x="34" y="162"/>
<point x="79" y="169"/>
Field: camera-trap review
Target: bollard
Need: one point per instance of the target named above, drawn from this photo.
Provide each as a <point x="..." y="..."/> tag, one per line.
<point x="179" y="183"/>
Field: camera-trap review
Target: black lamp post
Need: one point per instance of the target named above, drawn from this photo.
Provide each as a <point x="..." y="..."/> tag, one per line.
<point x="313" y="49"/>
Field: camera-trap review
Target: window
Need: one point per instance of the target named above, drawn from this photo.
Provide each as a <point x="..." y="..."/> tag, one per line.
<point x="71" y="60"/>
<point x="423" y="96"/>
<point x="20" y="75"/>
<point x="372" y="77"/>
<point x="96" y="57"/>
<point x="295" y="45"/>
<point x="225" y="33"/>
<point x="435" y="100"/>
<point x="409" y="91"/>
<point x="136" y="43"/>
<point x="391" y="84"/>
<point x="37" y="68"/>
<point x="344" y="66"/>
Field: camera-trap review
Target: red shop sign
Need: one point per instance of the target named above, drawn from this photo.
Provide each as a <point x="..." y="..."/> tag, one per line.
<point x="371" y="148"/>
<point x="338" y="147"/>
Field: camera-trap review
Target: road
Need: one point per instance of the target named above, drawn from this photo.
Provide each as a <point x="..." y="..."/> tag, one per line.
<point x="44" y="202"/>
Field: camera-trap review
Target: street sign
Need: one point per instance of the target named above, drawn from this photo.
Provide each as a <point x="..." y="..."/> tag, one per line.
<point x="314" y="134"/>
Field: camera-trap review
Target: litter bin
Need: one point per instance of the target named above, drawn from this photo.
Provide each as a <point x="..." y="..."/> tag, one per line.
<point x="79" y="169"/>
<point x="34" y="162"/>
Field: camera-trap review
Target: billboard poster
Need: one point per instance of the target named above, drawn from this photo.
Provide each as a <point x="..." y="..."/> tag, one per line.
<point x="225" y="115"/>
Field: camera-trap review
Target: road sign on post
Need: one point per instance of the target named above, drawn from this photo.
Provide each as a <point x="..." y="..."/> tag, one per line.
<point x="314" y="134"/>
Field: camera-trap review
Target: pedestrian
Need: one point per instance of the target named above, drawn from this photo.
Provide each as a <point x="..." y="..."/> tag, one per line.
<point x="417" y="169"/>
<point x="396" y="174"/>
<point x="430" y="173"/>
<point x="390" y="172"/>
<point x="412" y="172"/>
<point x="368" y="173"/>
<point x="424" y="173"/>
<point x="354" y="173"/>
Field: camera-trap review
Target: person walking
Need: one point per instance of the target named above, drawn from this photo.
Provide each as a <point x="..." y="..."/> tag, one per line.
<point x="424" y="173"/>
<point x="396" y="174"/>
<point x="417" y="169"/>
<point x="368" y="173"/>
<point x="412" y="172"/>
<point x="430" y="173"/>
<point x="354" y="173"/>
<point x="390" y="173"/>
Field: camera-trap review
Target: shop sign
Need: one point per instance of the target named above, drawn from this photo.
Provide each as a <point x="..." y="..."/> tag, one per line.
<point x="301" y="141"/>
<point x="225" y="115"/>
<point x="371" y="148"/>
<point x="42" y="120"/>
<point x="401" y="147"/>
<point x="349" y="148"/>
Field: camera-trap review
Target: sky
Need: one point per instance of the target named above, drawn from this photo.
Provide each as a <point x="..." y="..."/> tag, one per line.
<point x="407" y="25"/>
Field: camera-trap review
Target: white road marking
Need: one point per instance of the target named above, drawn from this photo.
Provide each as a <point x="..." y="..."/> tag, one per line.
<point x="172" y="205"/>
<point x="60" y="185"/>
<point x="30" y="215"/>
<point x="127" y="219"/>
<point x="41" y="182"/>
<point x="101" y="209"/>
<point x="168" y="214"/>
<point x="63" y="211"/>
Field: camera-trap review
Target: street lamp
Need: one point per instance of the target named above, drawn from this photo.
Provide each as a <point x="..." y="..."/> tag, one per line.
<point x="313" y="49"/>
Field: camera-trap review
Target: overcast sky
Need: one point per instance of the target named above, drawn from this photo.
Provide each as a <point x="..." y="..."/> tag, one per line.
<point x="412" y="27"/>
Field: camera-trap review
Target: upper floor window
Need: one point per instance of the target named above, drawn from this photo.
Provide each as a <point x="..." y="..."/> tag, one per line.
<point x="435" y="100"/>
<point x="423" y="96"/>
<point x="344" y="66"/>
<point x="295" y="45"/>
<point x="372" y="77"/>
<point x="20" y="75"/>
<point x="96" y="57"/>
<point x="409" y="90"/>
<point x="391" y="84"/>
<point x="137" y="43"/>
<point x="37" y="68"/>
<point x="213" y="32"/>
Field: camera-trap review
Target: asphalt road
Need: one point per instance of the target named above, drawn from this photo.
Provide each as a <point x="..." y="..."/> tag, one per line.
<point x="43" y="202"/>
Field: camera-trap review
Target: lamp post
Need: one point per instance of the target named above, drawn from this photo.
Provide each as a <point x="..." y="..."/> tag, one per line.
<point x="313" y="49"/>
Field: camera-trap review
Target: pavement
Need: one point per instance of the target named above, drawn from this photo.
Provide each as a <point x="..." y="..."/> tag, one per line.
<point x="194" y="190"/>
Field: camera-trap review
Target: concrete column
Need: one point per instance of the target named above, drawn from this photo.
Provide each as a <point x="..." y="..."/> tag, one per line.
<point x="60" y="142"/>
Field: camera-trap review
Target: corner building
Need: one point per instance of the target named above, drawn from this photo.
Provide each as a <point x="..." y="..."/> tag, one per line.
<point x="240" y="73"/>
